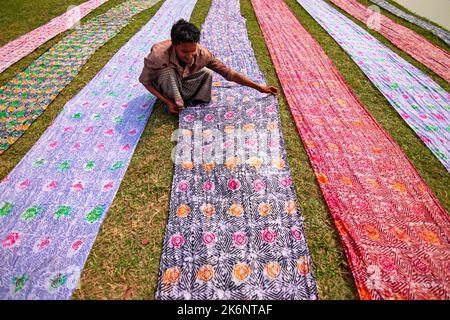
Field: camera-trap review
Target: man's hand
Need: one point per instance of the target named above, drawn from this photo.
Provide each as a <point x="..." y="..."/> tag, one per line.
<point x="268" y="89"/>
<point x="173" y="108"/>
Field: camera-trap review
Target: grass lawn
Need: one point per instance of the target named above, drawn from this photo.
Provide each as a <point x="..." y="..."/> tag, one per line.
<point x="124" y="261"/>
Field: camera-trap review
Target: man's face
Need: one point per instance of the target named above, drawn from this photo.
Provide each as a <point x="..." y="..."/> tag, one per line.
<point x="186" y="51"/>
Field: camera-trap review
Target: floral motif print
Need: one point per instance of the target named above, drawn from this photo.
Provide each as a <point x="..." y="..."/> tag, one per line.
<point x="53" y="202"/>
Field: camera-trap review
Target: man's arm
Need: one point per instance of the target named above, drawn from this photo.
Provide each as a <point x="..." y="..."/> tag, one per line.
<point x="173" y="108"/>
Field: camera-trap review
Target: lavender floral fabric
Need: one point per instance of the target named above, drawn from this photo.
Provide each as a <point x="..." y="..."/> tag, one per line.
<point x="235" y="230"/>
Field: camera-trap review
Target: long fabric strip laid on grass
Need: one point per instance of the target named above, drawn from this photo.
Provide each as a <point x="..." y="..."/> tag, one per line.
<point x="432" y="56"/>
<point x="444" y="35"/>
<point x="235" y="229"/>
<point x="420" y="101"/>
<point x="394" y="230"/>
<point x="53" y="203"/>
<point x="28" y="94"/>
<point x="15" y="50"/>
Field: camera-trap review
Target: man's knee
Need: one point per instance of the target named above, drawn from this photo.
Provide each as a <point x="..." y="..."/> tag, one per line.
<point x="167" y="78"/>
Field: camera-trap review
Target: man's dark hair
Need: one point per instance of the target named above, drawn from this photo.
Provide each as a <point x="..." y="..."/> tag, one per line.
<point x="183" y="31"/>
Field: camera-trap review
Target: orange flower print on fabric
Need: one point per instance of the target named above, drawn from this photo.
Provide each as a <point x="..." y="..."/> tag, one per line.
<point x="205" y="273"/>
<point x="342" y="103"/>
<point x="248" y="127"/>
<point x="399" y="233"/>
<point x="430" y="237"/>
<point x="272" y="126"/>
<point x="303" y="265"/>
<point x="340" y="226"/>
<point x="354" y="148"/>
<point x="322" y="178"/>
<point x="236" y="210"/>
<point x="208" y="167"/>
<point x="372" y="183"/>
<point x="171" y="275"/>
<point x="393" y="296"/>
<point x="272" y="269"/>
<point x="422" y="187"/>
<point x="346" y="181"/>
<point x="358" y="124"/>
<point x="310" y="144"/>
<point x="264" y="209"/>
<point x="232" y="162"/>
<point x="207" y="133"/>
<point x="208" y="210"/>
<point x="183" y="210"/>
<point x="230" y="99"/>
<point x="337" y="122"/>
<point x="186" y="133"/>
<point x="241" y="271"/>
<point x="290" y="207"/>
<point x="318" y="121"/>
<point x="278" y="163"/>
<point x="400" y="187"/>
<point x="332" y="147"/>
<point x="426" y="296"/>
<point x="372" y="232"/>
<point x="377" y="150"/>
<point x="187" y="165"/>
<point x="255" y="162"/>
<point x="229" y="129"/>
<point x="364" y="294"/>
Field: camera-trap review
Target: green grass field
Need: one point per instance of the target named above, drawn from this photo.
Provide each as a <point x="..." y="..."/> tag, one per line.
<point x="124" y="261"/>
